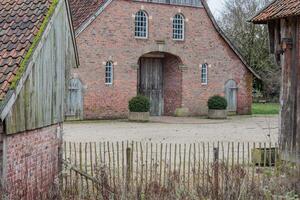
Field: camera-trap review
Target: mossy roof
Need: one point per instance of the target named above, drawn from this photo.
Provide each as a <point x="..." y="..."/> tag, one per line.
<point x="20" y="22"/>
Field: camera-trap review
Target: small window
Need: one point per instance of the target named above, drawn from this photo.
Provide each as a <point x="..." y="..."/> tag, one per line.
<point x="178" y="27"/>
<point x="109" y="73"/>
<point x="204" y="74"/>
<point x="141" y="24"/>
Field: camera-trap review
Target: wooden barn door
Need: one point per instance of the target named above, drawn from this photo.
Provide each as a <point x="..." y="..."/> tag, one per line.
<point x="151" y="83"/>
<point x="74" y="100"/>
<point x="231" y="95"/>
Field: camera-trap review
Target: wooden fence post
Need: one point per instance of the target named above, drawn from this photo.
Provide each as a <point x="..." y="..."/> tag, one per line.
<point x="128" y="168"/>
<point x="216" y="172"/>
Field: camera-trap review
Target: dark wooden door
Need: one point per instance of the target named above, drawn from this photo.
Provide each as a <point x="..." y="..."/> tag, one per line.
<point x="151" y="83"/>
<point x="231" y="95"/>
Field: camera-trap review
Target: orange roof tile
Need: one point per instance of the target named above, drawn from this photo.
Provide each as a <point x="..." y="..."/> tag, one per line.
<point x="20" y="21"/>
<point x="277" y="9"/>
<point x="82" y="9"/>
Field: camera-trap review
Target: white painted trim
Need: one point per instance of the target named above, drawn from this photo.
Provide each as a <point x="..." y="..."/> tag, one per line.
<point x="92" y="18"/>
<point x="204" y="83"/>
<point x="183" y="27"/>
<point x="147" y="26"/>
<point x="7" y="107"/>
<point x="112" y="72"/>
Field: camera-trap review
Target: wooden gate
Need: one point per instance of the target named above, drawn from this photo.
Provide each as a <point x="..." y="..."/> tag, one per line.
<point x="231" y="95"/>
<point x="74" y="100"/>
<point x="151" y="83"/>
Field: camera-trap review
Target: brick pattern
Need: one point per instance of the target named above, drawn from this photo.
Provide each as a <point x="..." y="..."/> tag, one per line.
<point x="111" y="37"/>
<point x="31" y="163"/>
<point x="19" y="23"/>
<point x="172" y="84"/>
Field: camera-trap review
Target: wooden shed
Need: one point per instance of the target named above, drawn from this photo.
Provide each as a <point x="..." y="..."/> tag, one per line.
<point x="283" y="20"/>
<point x="37" y="51"/>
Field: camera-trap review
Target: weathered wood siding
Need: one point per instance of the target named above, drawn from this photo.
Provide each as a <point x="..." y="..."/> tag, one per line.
<point x="151" y="83"/>
<point x="286" y="47"/>
<point x="74" y="109"/>
<point x="42" y="99"/>
<point x="231" y="95"/>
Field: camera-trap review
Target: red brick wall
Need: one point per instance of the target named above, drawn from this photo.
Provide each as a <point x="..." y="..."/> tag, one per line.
<point x="111" y="37"/>
<point x="172" y="84"/>
<point x="31" y="163"/>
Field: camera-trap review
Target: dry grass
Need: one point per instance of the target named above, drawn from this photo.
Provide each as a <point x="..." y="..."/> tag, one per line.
<point x="232" y="183"/>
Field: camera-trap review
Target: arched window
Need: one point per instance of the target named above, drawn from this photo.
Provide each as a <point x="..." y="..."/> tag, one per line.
<point x="141" y="24"/>
<point x="178" y="27"/>
<point x="204" y="72"/>
<point x="109" y="73"/>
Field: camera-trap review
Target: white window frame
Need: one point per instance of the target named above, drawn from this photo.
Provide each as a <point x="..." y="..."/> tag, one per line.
<point x="174" y="29"/>
<point x="135" y="25"/>
<point x="202" y="67"/>
<point x="109" y="64"/>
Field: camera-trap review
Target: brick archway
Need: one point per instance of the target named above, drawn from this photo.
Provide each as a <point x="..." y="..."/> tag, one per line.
<point x="160" y="78"/>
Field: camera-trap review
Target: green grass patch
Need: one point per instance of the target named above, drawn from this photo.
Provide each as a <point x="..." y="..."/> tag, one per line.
<point x="265" y="108"/>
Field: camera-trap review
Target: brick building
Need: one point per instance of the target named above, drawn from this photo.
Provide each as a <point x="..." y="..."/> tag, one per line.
<point x="283" y="20"/>
<point x="171" y="51"/>
<point x="37" y="50"/>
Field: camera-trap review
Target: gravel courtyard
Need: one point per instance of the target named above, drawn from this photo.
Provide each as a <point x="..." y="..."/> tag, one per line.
<point x="176" y="130"/>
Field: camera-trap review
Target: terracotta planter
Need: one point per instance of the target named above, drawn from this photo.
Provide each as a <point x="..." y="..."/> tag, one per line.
<point x="139" y="116"/>
<point x="217" y="114"/>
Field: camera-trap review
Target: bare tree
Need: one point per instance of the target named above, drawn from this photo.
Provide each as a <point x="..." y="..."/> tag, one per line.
<point x="252" y="41"/>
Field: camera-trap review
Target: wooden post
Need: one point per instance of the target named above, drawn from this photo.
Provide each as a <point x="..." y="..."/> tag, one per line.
<point x="128" y="168"/>
<point x="216" y="172"/>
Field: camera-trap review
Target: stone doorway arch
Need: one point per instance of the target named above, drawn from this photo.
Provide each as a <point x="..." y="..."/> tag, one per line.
<point x="160" y="79"/>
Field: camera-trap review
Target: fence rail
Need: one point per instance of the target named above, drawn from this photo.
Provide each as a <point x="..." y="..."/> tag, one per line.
<point x="138" y="164"/>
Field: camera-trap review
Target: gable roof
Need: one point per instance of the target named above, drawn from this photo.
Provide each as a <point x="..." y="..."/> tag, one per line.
<point x="20" y="21"/>
<point x="101" y="6"/>
<point x="23" y="26"/>
<point x="82" y="9"/>
<point x="277" y="9"/>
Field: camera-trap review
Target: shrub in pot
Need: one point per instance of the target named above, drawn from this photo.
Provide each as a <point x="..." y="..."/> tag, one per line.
<point x="139" y="107"/>
<point x="217" y="107"/>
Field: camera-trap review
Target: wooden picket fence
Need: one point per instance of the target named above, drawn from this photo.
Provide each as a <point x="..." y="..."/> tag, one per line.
<point x="137" y="164"/>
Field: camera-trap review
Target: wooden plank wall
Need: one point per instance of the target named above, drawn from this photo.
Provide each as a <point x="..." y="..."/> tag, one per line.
<point x="42" y="99"/>
<point x="289" y="136"/>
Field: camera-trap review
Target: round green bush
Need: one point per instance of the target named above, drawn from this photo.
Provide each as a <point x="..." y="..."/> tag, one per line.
<point x="217" y="103"/>
<point x="139" y="104"/>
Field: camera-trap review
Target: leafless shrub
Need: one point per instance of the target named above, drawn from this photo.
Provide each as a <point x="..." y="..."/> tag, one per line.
<point x="233" y="183"/>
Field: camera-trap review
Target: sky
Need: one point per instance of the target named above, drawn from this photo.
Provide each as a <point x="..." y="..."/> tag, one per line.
<point x="216" y="6"/>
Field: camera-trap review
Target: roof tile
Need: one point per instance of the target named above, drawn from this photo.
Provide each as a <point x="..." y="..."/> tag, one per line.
<point x="82" y="9"/>
<point x="278" y="9"/>
<point x="20" y="21"/>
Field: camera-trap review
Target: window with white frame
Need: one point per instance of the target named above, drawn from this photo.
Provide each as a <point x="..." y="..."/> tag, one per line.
<point x="204" y="72"/>
<point x="141" y="24"/>
<point x="109" y="73"/>
<point x="178" y="27"/>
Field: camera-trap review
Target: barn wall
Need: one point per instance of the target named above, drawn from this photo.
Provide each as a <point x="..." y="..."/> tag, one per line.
<point x="297" y="120"/>
<point x="111" y="37"/>
<point x="42" y="98"/>
<point x="289" y="60"/>
<point x="32" y="129"/>
<point x="31" y="161"/>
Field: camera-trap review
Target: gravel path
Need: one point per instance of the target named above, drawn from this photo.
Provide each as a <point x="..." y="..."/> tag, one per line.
<point x="176" y="130"/>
